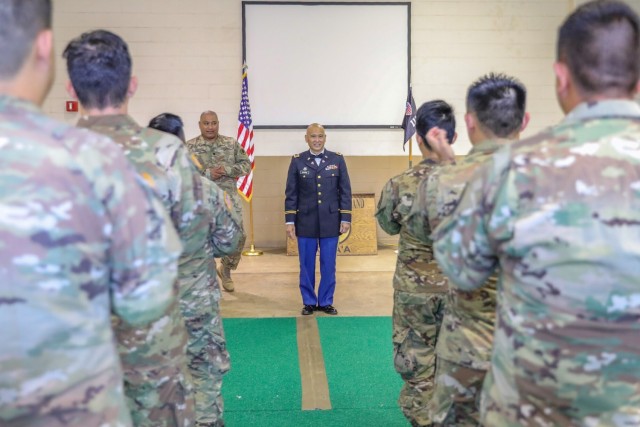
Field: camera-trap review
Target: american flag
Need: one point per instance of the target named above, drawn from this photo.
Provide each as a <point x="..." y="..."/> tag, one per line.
<point x="245" y="137"/>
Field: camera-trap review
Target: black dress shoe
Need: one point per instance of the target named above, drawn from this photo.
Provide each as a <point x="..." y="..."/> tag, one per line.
<point x="308" y="309"/>
<point x="329" y="309"/>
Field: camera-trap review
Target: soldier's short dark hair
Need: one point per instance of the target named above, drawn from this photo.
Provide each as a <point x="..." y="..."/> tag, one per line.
<point x="435" y="113"/>
<point x="499" y="103"/>
<point x="20" y="23"/>
<point x="169" y="123"/>
<point x="99" y="66"/>
<point x="600" y="43"/>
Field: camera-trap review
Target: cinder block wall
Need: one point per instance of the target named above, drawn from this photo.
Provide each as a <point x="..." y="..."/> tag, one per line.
<point x="188" y="54"/>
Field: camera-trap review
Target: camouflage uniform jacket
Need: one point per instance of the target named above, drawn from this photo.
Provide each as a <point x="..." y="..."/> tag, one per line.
<point x="82" y="238"/>
<point x="466" y="335"/>
<point x="416" y="221"/>
<point x="201" y="212"/>
<point x="416" y="268"/>
<point x="163" y="160"/>
<point x="560" y="214"/>
<point x="221" y="151"/>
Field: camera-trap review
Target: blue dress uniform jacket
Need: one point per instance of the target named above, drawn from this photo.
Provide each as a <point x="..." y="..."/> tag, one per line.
<point x="317" y="198"/>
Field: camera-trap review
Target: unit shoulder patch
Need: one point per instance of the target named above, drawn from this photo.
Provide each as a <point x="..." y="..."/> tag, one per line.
<point x="148" y="179"/>
<point x="227" y="201"/>
<point x="196" y="162"/>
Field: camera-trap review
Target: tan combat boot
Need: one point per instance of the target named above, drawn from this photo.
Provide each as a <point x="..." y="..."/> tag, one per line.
<point x="225" y="277"/>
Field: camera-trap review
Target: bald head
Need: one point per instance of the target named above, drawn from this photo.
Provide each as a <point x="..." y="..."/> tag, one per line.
<point x="208" y="113"/>
<point x="315" y="126"/>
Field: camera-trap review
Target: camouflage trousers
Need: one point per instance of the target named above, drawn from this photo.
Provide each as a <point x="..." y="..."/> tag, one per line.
<point x="207" y="354"/>
<point x="231" y="261"/>
<point x="157" y="382"/>
<point x="456" y="397"/>
<point x="97" y="401"/>
<point x="416" y="323"/>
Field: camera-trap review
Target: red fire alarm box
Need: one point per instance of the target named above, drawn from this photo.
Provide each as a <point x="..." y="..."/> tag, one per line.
<point x="72" y="106"/>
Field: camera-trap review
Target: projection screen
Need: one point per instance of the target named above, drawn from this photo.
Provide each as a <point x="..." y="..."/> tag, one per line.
<point x="346" y="65"/>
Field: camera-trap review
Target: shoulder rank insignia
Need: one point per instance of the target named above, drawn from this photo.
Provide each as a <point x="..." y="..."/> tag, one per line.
<point x="339" y="154"/>
<point x="296" y="156"/>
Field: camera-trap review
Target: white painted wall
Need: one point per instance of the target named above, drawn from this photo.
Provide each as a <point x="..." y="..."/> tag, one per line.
<point x="187" y="56"/>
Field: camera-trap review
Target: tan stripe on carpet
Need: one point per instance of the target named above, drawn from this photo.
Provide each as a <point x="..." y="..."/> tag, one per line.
<point x="315" y="389"/>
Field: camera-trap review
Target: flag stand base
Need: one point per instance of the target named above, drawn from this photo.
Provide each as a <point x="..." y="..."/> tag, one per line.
<point x="252" y="252"/>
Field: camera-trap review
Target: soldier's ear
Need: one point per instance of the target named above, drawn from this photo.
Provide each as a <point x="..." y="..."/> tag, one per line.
<point x="44" y="47"/>
<point x="133" y="87"/>
<point x="563" y="77"/>
<point x="470" y="121"/>
<point x="525" y="121"/>
<point x="71" y="91"/>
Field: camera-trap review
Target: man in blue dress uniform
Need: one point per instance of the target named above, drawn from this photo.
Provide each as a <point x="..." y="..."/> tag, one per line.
<point x="317" y="210"/>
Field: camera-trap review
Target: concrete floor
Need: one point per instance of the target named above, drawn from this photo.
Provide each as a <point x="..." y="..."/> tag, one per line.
<point x="267" y="285"/>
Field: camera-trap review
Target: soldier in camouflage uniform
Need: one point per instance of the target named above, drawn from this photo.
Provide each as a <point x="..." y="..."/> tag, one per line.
<point x="559" y="214"/>
<point x="156" y="354"/>
<point x="221" y="244"/>
<point x="82" y="238"/>
<point x="223" y="161"/>
<point x="418" y="284"/>
<point x="495" y="116"/>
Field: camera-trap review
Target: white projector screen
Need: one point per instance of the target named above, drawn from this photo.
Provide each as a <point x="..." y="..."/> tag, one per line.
<point x="345" y="65"/>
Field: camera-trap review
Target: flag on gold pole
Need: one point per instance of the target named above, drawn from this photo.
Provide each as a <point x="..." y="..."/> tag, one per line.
<point x="245" y="139"/>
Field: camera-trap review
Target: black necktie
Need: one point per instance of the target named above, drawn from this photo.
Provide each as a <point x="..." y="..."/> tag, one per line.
<point x="317" y="156"/>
